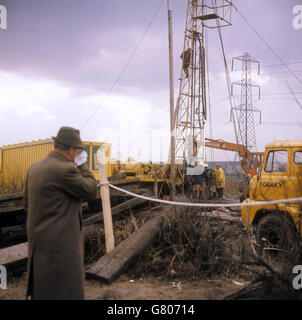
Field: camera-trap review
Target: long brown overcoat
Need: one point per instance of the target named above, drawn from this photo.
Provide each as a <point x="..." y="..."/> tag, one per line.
<point x="53" y="192"/>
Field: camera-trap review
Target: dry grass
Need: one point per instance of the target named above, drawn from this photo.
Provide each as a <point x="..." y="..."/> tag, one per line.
<point x="232" y="187"/>
<point x="95" y="246"/>
<point x="13" y="182"/>
<point x="273" y="281"/>
<point x="193" y="247"/>
<point x="199" y="247"/>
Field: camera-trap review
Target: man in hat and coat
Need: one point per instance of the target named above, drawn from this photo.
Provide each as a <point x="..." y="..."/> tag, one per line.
<point x="53" y="192"/>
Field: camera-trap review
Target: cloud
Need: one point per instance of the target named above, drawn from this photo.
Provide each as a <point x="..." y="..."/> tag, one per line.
<point x="27" y="97"/>
<point x="60" y="59"/>
<point x="34" y="110"/>
<point x="84" y="45"/>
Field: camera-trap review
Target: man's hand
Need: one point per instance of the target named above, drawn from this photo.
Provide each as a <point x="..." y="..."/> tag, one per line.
<point x="81" y="158"/>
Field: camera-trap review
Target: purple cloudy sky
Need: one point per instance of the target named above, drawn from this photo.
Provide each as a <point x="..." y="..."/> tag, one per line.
<point x="64" y="60"/>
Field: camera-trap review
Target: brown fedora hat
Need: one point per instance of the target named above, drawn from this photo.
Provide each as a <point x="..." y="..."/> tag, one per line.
<point x="69" y="137"/>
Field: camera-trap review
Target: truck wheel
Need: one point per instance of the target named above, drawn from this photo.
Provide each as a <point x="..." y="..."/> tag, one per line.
<point x="274" y="235"/>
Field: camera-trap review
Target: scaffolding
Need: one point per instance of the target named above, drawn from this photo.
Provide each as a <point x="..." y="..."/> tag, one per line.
<point x="191" y="107"/>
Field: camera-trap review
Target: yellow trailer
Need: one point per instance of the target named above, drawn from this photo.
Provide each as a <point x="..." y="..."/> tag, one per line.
<point x="15" y="159"/>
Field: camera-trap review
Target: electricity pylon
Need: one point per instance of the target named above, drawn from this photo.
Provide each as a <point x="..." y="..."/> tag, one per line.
<point x="246" y="109"/>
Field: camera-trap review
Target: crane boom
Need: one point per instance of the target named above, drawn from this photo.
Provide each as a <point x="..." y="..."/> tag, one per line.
<point x="250" y="161"/>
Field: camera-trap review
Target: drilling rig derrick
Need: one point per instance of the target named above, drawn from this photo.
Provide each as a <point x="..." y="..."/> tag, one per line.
<point x="191" y="107"/>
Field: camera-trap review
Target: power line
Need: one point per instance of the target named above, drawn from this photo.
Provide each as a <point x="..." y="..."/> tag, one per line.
<point x="126" y="65"/>
<point x="287" y="99"/>
<point x="282" y="72"/>
<point x="266" y="43"/>
<point x="279" y="93"/>
<point x="294" y="96"/>
<point x="278" y="65"/>
<point x="289" y="124"/>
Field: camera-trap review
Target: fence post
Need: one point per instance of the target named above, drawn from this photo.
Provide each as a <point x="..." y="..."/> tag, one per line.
<point x="155" y="187"/>
<point x="105" y="196"/>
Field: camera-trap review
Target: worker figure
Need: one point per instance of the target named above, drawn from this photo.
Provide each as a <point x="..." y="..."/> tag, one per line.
<point x="197" y="181"/>
<point x="188" y="186"/>
<point x="207" y="182"/>
<point x="186" y="56"/>
<point x="53" y="192"/>
<point x="219" y="181"/>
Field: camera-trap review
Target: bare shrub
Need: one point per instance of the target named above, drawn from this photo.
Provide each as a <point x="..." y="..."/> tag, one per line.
<point x="273" y="281"/>
<point x="95" y="247"/>
<point x="193" y="246"/>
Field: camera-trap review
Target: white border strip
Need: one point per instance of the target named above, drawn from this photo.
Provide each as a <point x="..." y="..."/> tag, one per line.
<point x="214" y="205"/>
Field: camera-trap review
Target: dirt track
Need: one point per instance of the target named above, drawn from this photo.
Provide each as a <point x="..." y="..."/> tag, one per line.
<point x="149" y="288"/>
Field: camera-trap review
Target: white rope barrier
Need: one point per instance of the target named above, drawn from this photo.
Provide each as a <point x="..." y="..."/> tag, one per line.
<point x="214" y="205"/>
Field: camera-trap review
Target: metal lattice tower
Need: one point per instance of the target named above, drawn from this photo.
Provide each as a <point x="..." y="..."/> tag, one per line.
<point x="191" y="107"/>
<point x="246" y="109"/>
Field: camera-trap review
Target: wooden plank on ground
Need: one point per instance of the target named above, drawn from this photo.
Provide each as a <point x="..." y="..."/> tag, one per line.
<point x="115" y="210"/>
<point x="119" y="176"/>
<point x="130" y="188"/>
<point x="11" y="196"/>
<point x="13" y="254"/>
<point x="11" y="208"/>
<point x="18" y="253"/>
<point x="220" y="215"/>
<point x="124" y="181"/>
<point x="127" y="205"/>
<point x="109" y="267"/>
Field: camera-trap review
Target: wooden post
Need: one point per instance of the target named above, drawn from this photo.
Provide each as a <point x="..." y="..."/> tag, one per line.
<point x="110" y="266"/>
<point x="155" y="187"/>
<point x="105" y="195"/>
<point x="172" y="111"/>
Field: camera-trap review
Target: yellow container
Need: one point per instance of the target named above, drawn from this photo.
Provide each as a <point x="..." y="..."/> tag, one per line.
<point x="15" y="159"/>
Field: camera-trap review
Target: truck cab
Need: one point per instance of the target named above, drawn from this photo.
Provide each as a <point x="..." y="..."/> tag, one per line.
<point x="277" y="227"/>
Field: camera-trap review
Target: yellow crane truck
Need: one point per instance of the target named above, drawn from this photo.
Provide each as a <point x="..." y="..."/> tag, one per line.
<point x="277" y="227"/>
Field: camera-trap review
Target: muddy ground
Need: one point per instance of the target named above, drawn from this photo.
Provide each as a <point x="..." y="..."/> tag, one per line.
<point x="202" y="255"/>
<point x="169" y="271"/>
<point x="152" y="277"/>
<point x="147" y="288"/>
